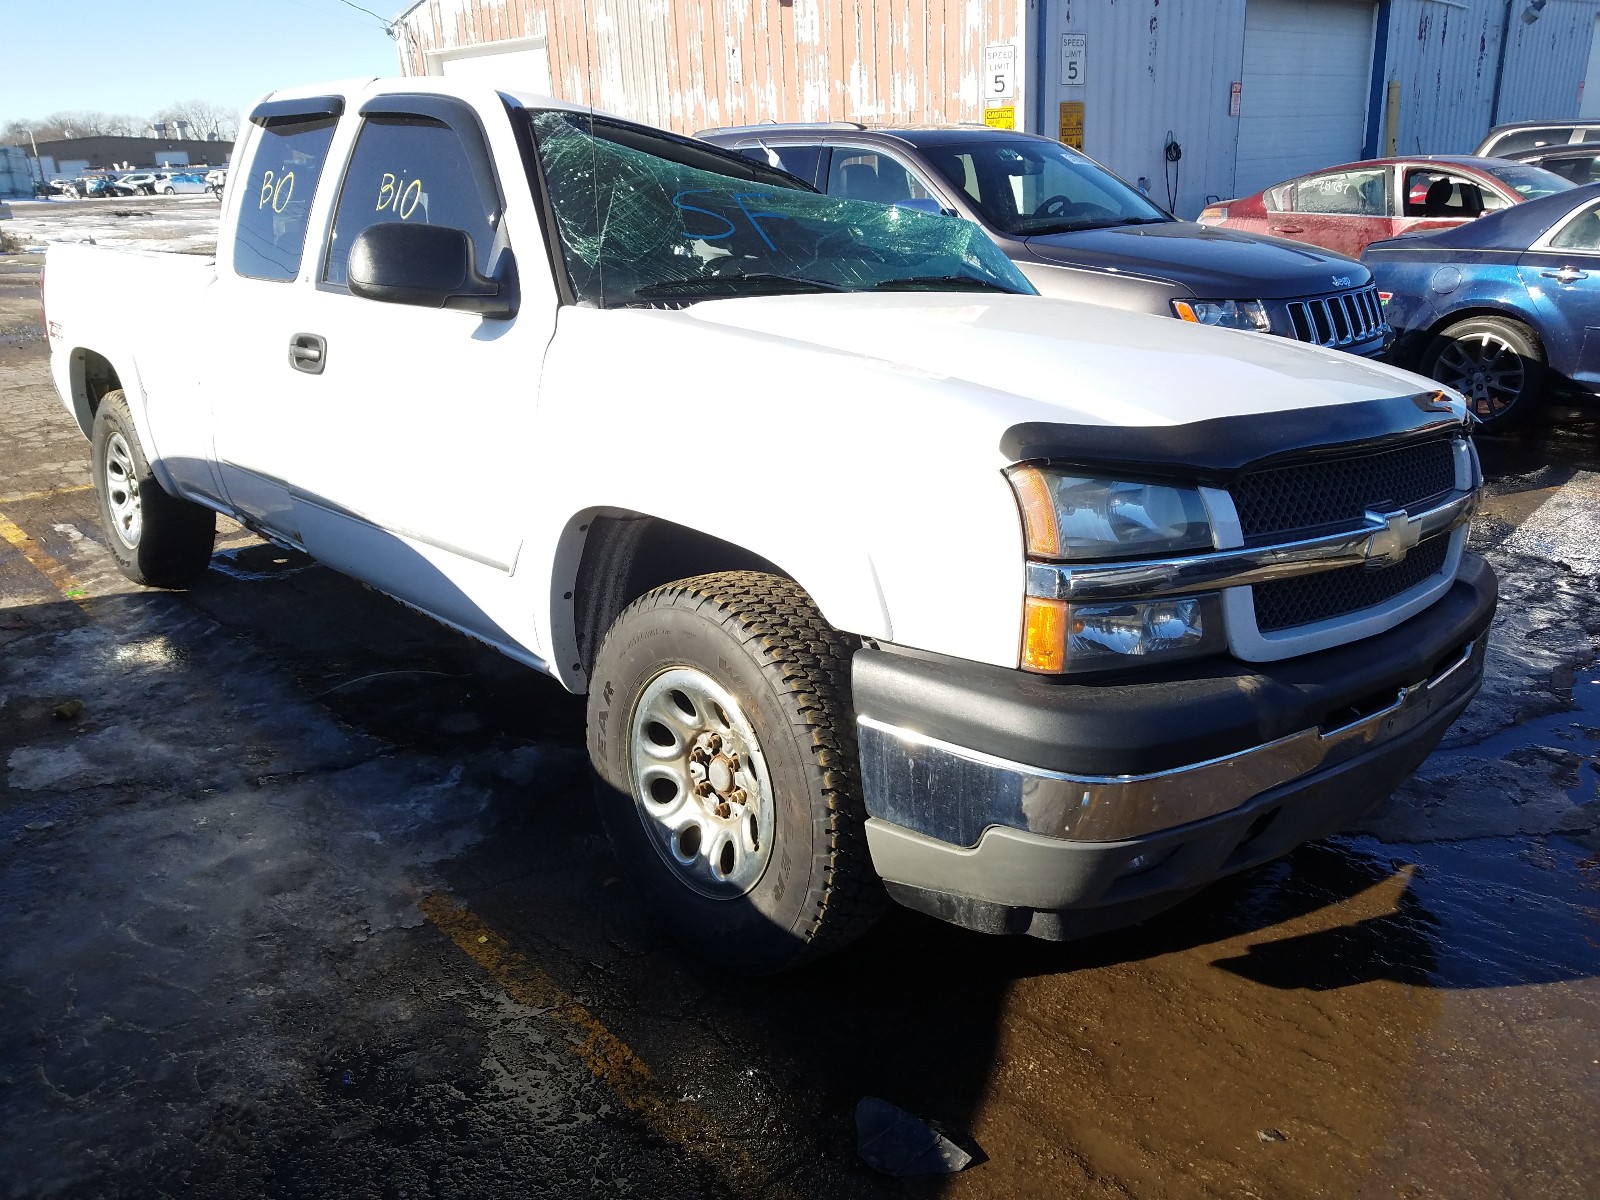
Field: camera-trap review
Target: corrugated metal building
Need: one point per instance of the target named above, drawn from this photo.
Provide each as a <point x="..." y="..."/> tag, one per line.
<point x="1196" y="99"/>
<point x="689" y="64"/>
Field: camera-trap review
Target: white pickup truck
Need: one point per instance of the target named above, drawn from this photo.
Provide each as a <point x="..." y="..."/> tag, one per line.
<point x="884" y="576"/>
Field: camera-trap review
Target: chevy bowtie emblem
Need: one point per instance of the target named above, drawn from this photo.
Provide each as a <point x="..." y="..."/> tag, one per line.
<point x="1394" y="541"/>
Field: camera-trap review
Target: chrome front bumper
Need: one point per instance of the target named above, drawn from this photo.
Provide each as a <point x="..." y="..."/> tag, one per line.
<point x="896" y="761"/>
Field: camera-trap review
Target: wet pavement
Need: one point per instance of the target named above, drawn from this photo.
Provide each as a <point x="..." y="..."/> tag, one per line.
<point x="309" y="900"/>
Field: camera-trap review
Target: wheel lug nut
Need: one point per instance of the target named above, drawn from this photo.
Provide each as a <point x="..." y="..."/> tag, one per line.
<point x="702" y="789"/>
<point x="738" y="796"/>
<point x="724" y="811"/>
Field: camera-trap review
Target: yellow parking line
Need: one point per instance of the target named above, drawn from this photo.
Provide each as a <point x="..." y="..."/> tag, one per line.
<point x="25" y="497"/>
<point x="608" y="1058"/>
<point x="63" y="580"/>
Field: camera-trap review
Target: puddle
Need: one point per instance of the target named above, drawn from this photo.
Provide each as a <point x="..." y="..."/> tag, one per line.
<point x="1575" y="729"/>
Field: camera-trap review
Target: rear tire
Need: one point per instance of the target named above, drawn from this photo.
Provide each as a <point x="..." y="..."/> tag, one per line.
<point x="721" y="729"/>
<point x="1496" y="363"/>
<point x="156" y="539"/>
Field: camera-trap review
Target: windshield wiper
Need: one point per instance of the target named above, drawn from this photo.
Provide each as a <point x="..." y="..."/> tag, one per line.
<point x="1081" y="226"/>
<point x="732" y="283"/>
<point x="938" y="283"/>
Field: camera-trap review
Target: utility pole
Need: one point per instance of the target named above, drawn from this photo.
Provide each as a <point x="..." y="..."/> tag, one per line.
<point x="36" y="161"/>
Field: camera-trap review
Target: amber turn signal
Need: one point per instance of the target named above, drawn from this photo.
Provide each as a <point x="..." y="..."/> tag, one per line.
<point x="1044" y="635"/>
<point x="1038" y="511"/>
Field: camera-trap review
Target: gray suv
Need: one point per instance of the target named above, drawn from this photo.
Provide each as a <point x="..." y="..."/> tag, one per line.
<point x="1078" y="232"/>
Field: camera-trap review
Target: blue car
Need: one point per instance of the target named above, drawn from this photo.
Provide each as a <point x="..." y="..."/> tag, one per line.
<point x="1504" y="308"/>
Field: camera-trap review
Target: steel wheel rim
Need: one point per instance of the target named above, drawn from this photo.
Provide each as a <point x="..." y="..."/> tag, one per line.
<point x="122" y="492"/>
<point x="1484" y="368"/>
<point x="700" y="783"/>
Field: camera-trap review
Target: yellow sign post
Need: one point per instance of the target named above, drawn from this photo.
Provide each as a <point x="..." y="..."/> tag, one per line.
<point x="1001" y="118"/>
<point x="1072" y="124"/>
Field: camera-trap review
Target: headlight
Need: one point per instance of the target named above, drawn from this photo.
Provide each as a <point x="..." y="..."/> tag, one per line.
<point x="1059" y="637"/>
<point x="1226" y="314"/>
<point x="1080" y="517"/>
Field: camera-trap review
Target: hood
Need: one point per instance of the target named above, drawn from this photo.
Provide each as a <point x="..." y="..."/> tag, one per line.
<point x="1027" y="358"/>
<point x="1214" y="263"/>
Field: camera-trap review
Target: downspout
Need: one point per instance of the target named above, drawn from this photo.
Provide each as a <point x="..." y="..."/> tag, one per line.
<point x="1500" y="65"/>
<point x="1041" y="22"/>
<point x="1380" y="67"/>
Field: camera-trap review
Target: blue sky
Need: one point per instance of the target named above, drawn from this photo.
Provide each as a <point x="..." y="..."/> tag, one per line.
<point x="138" y="56"/>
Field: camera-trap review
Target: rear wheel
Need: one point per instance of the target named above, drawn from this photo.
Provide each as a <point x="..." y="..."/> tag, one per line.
<point x="167" y="191"/>
<point x="1495" y="362"/>
<point x="721" y="729"/>
<point x="157" y="539"/>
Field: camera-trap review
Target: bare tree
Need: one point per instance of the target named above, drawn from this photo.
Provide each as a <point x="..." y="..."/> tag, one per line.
<point x="207" y="121"/>
<point x="69" y="125"/>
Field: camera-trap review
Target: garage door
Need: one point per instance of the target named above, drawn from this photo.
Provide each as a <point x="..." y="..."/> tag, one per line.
<point x="522" y="64"/>
<point x="1307" y="70"/>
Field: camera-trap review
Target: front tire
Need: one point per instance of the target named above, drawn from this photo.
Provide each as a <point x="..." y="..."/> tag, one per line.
<point x="156" y="539"/>
<point x="169" y="191"/>
<point x="1496" y="363"/>
<point x="721" y="729"/>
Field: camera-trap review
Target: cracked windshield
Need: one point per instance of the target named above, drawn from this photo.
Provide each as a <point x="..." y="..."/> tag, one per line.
<point x="640" y="226"/>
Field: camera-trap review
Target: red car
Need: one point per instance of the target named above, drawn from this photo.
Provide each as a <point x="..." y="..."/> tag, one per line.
<point x="1343" y="208"/>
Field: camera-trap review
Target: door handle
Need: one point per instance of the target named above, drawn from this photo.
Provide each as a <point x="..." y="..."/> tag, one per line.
<point x="1566" y="275"/>
<point x="308" y="353"/>
<point x="1288" y="229"/>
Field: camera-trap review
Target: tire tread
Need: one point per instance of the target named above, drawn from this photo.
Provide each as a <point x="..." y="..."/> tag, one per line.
<point x="805" y="657"/>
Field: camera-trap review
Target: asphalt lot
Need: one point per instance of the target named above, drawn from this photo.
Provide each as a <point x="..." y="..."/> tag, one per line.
<point x="309" y="900"/>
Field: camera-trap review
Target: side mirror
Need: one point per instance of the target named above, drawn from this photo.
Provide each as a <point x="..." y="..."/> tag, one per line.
<point x="430" y="266"/>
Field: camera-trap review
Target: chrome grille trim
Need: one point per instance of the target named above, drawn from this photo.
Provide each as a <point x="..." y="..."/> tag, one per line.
<point x="1339" y="319"/>
<point x="1100" y="582"/>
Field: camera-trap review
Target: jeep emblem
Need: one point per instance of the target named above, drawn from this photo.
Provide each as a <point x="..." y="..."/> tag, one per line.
<point x="1341" y="281"/>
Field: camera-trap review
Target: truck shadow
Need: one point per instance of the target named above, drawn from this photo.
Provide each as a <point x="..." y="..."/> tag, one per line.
<point x="942" y="1022"/>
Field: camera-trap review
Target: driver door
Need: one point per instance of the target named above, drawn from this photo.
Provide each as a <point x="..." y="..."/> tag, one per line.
<point x="422" y="458"/>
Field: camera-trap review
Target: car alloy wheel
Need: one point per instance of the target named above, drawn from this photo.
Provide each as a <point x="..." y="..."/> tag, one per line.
<point x="1486" y="369"/>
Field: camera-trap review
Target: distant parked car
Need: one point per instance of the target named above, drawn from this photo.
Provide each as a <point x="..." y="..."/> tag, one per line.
<point x="180" y="183"/>
<point x="1580" y="164"/>
<point x="135" y="183"/>
<point x="1500" y="309"/>
<point x="66" y="187"/>
<point x="1345" y="208"/>
<point x="1077" y="231"/>
<point x="98" y="185"/>
<point x="1505" y="140"/>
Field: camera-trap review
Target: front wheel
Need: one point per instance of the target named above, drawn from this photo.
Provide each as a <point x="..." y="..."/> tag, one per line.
<point x="1495" y="362"/>
<point x="169" y="191"/>
<point x="156" y="539"/>
<point x="721" y="729"/>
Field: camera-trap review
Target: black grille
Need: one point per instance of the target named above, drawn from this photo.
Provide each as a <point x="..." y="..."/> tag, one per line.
<point x="1310" y="497"/>
<point x="1307" y="599"/>
<point x="1341" y="319"/>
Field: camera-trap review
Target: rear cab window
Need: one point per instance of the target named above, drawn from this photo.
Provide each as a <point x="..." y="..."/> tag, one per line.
<point x="286" y="164"/>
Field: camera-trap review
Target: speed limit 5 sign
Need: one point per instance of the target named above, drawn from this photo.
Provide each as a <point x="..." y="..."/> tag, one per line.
<point x="999" y="72"/>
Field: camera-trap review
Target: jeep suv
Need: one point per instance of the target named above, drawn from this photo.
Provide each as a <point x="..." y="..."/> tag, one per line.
<point x="1078" y="232"/>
